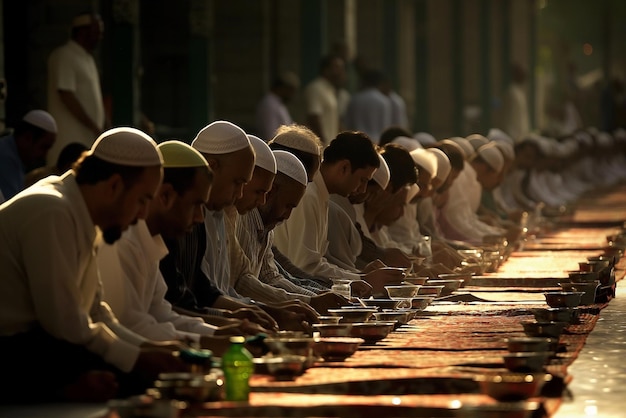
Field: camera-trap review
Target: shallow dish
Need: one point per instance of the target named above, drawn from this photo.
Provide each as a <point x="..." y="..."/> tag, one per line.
<point x="350" y="315"/>
<point x="553" y="314"/>
<point x="190" y="387"/>
<point x="302" y="346"/>
<point x="563" y="299"/>
<point x="380" y="303"/>
<point x="329" y="319"/>
<point x="429" y="290"/>
<point x="415" y="280"/>
<point x="286" y="367"/>
<point x="531" y="344"/>
<point x="583" y="276"/>
<point x="512" y="386"/>
<point x="372" y="332"/>
<point x="420" y="303"/>
<point x="333" y="330"/>
<point x="543" y="329"/>
<point x="450" y="285"/>
<point x="402" y="291"/>
<point x="526" y="362"/>
<point x="336" y="348"/>
<point x="402" y="317"/>
<point x="588" y="288"/>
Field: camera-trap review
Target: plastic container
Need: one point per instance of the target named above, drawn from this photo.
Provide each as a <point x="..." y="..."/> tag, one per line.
<point x="238" y="366"/>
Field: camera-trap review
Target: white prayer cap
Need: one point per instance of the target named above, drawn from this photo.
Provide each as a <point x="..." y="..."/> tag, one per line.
<point x="424" y="138"/>
<point x="443" y="164"/>
<point x="299" y="140"/>
<point x="414" y="189"/>
<point x="177" y="154"/>
<point x="41" y="119"/>
<point x="506" y="148"/>
<point x="477" y="141"/>
<point x="465" y="144"/>
<point x="456" y="145"/>
<point x="291" y="166"/>
<point x="426" y="160"/>
<point x="382" y="175"/>
<point x="128" y="147"/>
<point x="409" y="143"/>
<point x="220" y="137"/>
<point x="543" y="143"/>
<point x="496" y="134"/>
<point x="490" y="154"/>
<point x="264" y="157"/>
<point x="593" y="130"/>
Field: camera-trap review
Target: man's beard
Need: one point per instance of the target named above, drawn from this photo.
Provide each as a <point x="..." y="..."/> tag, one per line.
<point x="112" y="234"/>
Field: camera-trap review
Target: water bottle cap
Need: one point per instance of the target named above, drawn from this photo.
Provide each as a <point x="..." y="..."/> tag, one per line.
<point x="237" y="339"/>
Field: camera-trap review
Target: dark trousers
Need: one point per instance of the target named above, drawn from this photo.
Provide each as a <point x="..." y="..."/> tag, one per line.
<point x="35" y="367"/>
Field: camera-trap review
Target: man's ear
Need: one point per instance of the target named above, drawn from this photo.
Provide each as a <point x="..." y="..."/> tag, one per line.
<point x="345" y="167"/>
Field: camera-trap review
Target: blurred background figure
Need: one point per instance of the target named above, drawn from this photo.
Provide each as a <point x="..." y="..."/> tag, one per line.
<point x="25" y="149"/>
<point x="68" y="156"/>
<point x="74" y="91"/>
<point x="272" y="112"/>
<point x="516" y="120"/>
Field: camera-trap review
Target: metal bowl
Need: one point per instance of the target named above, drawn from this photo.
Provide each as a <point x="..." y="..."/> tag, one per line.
<point x="563" y="299"/>
<point x="286" y="367"/>
<point x="402" y="291"/>
<point x="587" y="288"/>
<point x="553" y="314"/>
<point x="329" y="319"/>
<point x="402" y="317"/>
<point x="302" y="346"/>
<point x="416" y="280"/>
<point x="531" y="344"/>
<point x="380" y="303"/>
<point x="420" y="303"/>
<point x="512" y="386"/>
<point x="449" y="285"/>
<point x="190" y="387"/>
<point x="430" y="290"/>
<point x="526" y="362"/>
<point x="543" y="329"/>
<point x="372" y="332"/>
<point x="583" y="276"/>
<point x="333" y="330"/>
<point x="350" y="315"/>
<point x="336" y="348"/>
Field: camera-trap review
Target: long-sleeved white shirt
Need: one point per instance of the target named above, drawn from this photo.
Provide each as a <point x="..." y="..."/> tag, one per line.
<point x="50" y="274"/>
<point x="135" y="289"/>
<point x="303" y="238"/>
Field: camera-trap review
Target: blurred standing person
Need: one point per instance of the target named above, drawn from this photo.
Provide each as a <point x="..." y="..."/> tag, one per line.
<point x="516" y="121"/>
<point x="369" y="110"/>
<point x="322" y="98"/>
<point x="74" y="92"/>
<point x="399" y="116"/>
<point x="24" y="150"/>
<point x="272" y="111"/>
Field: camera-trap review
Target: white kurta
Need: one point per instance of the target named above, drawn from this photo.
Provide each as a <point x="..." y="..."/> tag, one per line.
<point x="135" y="289"/>
<point x="344" y="241"/>
<point x="72" y="68"/>
<point x="460" y="221"/>
<point x="303" y="238"/>
<point x="321" y="100"/>
<point x="406" y="230"/>
<point x="50" y="275"/>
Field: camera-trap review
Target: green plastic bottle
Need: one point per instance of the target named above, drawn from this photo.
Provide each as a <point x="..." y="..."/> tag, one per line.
<point x="238" y="367"/>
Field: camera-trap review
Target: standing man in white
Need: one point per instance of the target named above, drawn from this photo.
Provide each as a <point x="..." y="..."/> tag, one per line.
<point x="74" y="91"/>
